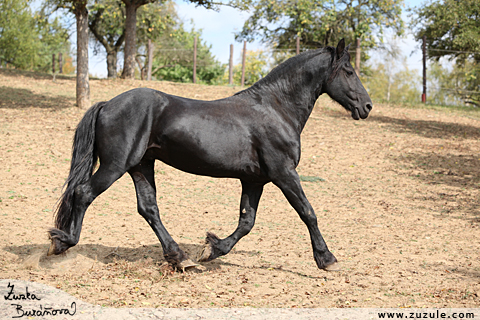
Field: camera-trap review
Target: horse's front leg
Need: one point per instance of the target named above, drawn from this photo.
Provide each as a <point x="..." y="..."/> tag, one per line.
<point x="215" y="247"/>
<point x="289" y="182"/>
<point x="143" y="178"/>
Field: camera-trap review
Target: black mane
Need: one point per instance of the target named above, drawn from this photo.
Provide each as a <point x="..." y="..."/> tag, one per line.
<point x="286" y="68"/>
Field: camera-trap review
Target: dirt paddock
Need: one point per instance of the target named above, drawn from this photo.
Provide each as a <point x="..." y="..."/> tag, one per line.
<point x="396" y="198"/>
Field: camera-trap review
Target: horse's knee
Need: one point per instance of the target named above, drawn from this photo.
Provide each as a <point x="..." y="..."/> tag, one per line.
<point x="309" y="217"/>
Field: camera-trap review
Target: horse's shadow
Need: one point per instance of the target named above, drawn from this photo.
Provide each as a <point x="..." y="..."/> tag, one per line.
<point x="429" y="128"/>
<point x="35" y="255"/>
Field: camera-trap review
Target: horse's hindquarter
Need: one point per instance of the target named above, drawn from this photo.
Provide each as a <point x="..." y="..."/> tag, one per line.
<point x="214" y="138"/>
<point x="123" y="127"/>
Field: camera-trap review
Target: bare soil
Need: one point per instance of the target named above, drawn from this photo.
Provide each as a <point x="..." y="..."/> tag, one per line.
<point x="397" y="203"/>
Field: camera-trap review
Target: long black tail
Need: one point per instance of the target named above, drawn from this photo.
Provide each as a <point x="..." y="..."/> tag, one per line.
<point x="84" y="158"/>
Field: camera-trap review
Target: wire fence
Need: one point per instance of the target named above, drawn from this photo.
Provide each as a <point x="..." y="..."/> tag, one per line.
<point x="454" y="88"/>
<point x="439" y="90"/>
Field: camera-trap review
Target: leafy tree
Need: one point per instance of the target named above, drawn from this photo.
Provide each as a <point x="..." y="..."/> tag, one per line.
<point x="385" y="85"/>
<point x="27" y="41"/>
<point x="53" y="37"/>
<point x="107" y="24"/>
<point x="446" y="82"/>
<point x="173" y="59"/>
<point x="17" y="42"/>
<point x="323" y="22"/>
<point x="154" y="20"/>
<point x="452" y="30"/>
<point x="255" y="67"/>
<point x="131" y="7"/>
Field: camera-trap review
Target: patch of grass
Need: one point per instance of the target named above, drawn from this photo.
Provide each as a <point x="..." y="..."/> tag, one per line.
<point x="311" y="179"/>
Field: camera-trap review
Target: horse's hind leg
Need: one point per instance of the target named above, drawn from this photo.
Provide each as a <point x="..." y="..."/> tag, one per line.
<point x="143" y="178"/>
<point x="216" y="247"/>
<point x="68" y="233"/>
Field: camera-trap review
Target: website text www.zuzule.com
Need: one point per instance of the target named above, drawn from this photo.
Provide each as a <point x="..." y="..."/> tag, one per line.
<point x="426" y="315"/>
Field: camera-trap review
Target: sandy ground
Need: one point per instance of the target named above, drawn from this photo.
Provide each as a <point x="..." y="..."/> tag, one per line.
<point x="397" y="203"/>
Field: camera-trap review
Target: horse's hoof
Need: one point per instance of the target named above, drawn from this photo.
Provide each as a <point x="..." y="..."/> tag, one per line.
<point x="51" y="250"/>
<point x="187" y="264"/>
<point x="333" y="267"/>
<point x="206" y="253"/>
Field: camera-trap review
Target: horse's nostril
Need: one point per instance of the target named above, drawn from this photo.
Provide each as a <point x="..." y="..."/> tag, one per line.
<point x="368" y="107"/>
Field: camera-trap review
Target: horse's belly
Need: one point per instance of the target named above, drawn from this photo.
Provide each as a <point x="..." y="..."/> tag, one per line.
<point x="213" y="161"/>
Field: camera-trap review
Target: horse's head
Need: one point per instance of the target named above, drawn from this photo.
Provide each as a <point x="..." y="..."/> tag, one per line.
<point x="345" y="87"/>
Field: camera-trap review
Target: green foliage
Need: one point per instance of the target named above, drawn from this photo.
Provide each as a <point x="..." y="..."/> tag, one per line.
<point x="447" y="83"/>
<point x="54" y="39"/>
<point x="452" y="30"/>
<point x="386" y="83"/>
<point x="107" y="20"/>
<point x="255" y="68"/>
<point x="27" y="41"/>
<point x="173" y="59"/>
<point x="449" y="25"/>
<point x="68" y="5"/>
<point x="107" y="24"/>
<point x="18" y="45"/>
<point x="321" y="22"/>
<point x="311" y="179"/>
<point x="154" y="19"/>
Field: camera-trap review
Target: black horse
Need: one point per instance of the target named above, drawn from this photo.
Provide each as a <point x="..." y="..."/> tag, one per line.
<point x="253" y="136"/>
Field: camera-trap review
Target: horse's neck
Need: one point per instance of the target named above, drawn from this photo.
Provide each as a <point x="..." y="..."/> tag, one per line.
<point x="294" y="99"/>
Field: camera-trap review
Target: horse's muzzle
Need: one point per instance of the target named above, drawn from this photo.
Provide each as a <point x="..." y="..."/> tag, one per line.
<point x="362" y="112"/>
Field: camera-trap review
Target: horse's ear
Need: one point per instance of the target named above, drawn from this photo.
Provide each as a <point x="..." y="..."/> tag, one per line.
<point x="340" y="48"/>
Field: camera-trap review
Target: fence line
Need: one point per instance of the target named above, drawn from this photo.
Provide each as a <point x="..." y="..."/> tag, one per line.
<point x="297" y="50"/>
<point x="355" y="50"/>
<point x="455" y="51"/>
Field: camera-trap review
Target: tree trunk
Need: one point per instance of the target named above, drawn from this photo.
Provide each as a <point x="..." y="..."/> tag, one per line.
<point x="112" y="64"/>
<point x="130" y="32"/>
<point x="83" y="87"/>
<point x="195" y="60"/>
<point x="230" y="66"/>
<point x="357" y="57"/>
<point x="242" y="81"/>
<point x="141" y="68"/>
<point x="150" y="60"/>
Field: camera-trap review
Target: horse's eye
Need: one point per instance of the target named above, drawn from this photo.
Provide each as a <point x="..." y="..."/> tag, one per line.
<point x="349" y="72"/>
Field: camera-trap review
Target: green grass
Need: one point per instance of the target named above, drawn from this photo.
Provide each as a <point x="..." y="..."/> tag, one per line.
<point x="311" y="179"/>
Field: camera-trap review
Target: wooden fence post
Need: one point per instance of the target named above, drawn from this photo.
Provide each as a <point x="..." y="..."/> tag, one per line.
<point x="60" y="63"/>
<point x="357" y="57"/>
<point x="53" y="63"/>
<point x="150" y="58"/>
<point x="195" y="60"/>
<point x="424" y="51"/>
<point x="298" y="45"/>
<point x="243" y="62"/>
<point x="230" y="66"/>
